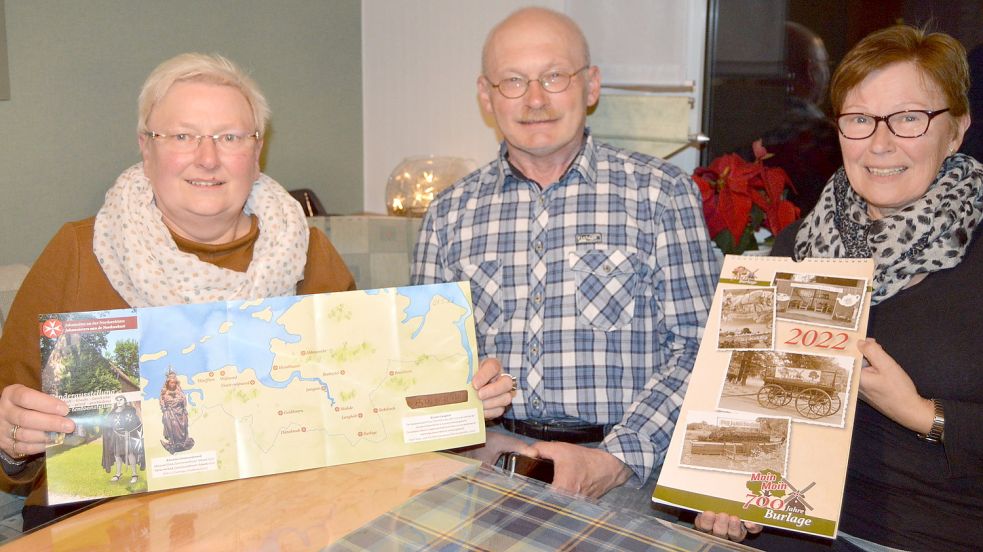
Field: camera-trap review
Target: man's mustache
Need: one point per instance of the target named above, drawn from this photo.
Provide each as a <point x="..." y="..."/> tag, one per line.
<point x="538" y="115"/>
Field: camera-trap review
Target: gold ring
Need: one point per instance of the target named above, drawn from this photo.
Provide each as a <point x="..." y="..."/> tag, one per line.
<point x="13" y="432"/>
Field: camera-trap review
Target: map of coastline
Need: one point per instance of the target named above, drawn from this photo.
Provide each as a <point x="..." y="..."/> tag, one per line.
<point x="289" y="383"/>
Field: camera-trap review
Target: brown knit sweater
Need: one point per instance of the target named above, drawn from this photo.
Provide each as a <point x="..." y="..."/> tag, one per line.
<point x="67" y="278"/>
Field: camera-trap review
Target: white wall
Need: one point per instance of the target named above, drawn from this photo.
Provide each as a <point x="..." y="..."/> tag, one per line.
<point x="421" y="58"/>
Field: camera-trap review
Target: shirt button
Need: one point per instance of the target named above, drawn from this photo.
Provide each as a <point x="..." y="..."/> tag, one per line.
<point x="538" y="246"/>
<point x="534" y="349"/>
<point x="537" y="404"/>
<point x="607" y="268"/>
<point x="538" y="298"/>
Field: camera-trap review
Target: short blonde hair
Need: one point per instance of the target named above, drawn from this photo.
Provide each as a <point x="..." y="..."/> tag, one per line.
<point x="940" y="58"/>
<point x="195" y="67"/>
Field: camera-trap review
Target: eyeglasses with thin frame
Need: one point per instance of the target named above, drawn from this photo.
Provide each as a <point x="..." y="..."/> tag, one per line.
<point x="911" y="123"/>
<point x="553" y="82"/>
<point x="226" y="142"/>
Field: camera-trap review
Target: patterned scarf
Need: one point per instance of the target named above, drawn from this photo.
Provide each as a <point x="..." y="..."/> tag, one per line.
<point x="141" y="260"/>
<point x="930" y="234"/>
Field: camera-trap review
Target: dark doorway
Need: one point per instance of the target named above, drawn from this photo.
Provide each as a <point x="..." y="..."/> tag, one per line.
<point x="765" y="75"/>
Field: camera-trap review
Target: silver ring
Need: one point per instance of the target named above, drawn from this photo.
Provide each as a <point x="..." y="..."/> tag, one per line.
<point x="13" y="432"/>
<point x="515" y="382"/>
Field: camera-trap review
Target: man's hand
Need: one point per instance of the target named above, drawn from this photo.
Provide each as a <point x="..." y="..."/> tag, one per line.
<point x="26" y="416"/>
<point x="494" y="388"/>
<point x="725" y="526"/>
<point x="585" y="471"/>
<point x="495" y="444"/>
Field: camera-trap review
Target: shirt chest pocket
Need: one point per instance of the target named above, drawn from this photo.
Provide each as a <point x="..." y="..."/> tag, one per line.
<point x="606" y="282"/>
<point x="486" y="293"/>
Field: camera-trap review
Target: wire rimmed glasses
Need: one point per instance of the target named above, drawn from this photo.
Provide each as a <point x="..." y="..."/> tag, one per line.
<point x="553" y="82"/>
<point x="911" y="123"/>
<point x="225" y="142"/>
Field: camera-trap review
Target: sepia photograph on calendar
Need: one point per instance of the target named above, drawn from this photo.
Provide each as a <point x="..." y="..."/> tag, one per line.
<point x="764" y="431"/>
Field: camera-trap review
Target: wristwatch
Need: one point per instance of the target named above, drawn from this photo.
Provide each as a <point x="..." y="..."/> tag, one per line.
<point x="10" y="465"/>
<point x="937" y="433"/>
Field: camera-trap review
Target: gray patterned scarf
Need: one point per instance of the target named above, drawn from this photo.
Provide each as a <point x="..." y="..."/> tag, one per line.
<point x="928" y="235"/>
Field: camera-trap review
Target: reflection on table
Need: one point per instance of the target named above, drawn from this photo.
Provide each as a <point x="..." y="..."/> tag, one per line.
<point x="482" y="509"/>
<point x="431" y="500"/>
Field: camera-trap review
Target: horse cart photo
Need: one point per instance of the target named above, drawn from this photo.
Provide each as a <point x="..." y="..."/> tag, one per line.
<point x="816" y="392"/>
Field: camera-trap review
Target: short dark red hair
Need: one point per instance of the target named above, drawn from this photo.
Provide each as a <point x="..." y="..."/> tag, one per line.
<point x="940" y="58"/>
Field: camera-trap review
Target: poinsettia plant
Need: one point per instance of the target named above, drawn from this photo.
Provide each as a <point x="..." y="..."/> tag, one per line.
<point x="739" y="197"/>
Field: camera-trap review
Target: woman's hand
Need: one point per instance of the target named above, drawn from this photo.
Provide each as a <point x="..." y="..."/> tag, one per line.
<point x="26" y="417"/>
<point x="495" y="389"/>
<point x="887" y="387"/>
<point x="725" y="526"/>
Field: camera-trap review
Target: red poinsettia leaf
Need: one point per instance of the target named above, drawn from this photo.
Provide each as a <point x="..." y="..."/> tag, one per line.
<point x="775" y="179"/>
<point x="745" y="170"/>
<point x="715" y="224"/>
<point x="714" y="219"/>
<point x="735" y="208"/>
<point x="705" y="186"/>
<point x="703" y="173"/>
<point x="785" y="214"/>
<point x="759" y="198"/>
<point x="788" y="181"/>
<point x="726" y="164"/>
<point x="710" y="212"/>
<point x="740" y="180"/>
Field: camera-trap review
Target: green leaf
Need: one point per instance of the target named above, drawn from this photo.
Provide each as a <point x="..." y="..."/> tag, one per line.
<point x="725" y="242"/>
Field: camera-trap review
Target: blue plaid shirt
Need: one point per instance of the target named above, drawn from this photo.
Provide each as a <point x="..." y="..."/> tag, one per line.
<point x="593" y="291"/>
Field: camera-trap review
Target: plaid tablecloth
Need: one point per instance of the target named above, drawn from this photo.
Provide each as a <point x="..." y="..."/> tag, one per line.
<point x="487" y="511"/>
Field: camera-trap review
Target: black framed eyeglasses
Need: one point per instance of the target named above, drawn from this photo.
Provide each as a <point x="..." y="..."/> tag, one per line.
<point x="553" y="82"/>
<point x="911" y="123"/>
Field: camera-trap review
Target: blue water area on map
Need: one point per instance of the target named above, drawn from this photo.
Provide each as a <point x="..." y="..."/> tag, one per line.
<point x="420" y="298"/>
<point x="247" y="344"/>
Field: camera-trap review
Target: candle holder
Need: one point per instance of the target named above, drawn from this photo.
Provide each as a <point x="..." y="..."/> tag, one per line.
<point x="417" y="180"/>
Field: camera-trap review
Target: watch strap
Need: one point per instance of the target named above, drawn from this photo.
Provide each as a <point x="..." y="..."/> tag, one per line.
<point x="937" y="433"/>
<point x="6" y="459"/>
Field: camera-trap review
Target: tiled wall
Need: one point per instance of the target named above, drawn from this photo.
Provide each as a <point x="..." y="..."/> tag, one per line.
<point x="377" y="249"/>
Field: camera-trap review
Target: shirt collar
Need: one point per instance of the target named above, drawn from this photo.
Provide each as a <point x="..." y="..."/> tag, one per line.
<point x="585" y="164"/>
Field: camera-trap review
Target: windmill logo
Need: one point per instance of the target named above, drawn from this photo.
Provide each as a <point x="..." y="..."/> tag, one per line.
<point x="796" y="500"/>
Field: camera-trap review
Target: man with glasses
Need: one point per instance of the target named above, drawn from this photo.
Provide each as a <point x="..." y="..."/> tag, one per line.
<point x="591" y="269"/>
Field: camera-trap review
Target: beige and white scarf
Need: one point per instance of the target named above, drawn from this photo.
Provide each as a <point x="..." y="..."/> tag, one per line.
<point x="143" y="263"/>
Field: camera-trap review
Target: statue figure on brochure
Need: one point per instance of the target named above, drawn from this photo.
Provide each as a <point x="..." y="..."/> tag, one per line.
<point x="122" y="440"/>
<point x="174" y="407"/>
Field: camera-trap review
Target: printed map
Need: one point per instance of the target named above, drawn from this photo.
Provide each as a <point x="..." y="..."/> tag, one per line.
<point x="270" y="385"/>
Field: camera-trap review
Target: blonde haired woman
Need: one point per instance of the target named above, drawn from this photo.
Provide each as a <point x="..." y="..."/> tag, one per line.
<point x="196" y="221"/>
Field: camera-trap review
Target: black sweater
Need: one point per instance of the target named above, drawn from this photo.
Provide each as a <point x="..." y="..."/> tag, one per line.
<point x="901" y="491"/>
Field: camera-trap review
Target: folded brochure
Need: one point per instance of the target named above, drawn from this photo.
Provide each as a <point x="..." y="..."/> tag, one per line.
<point x="168" y="397"/>
<point x="764" y="431"/>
